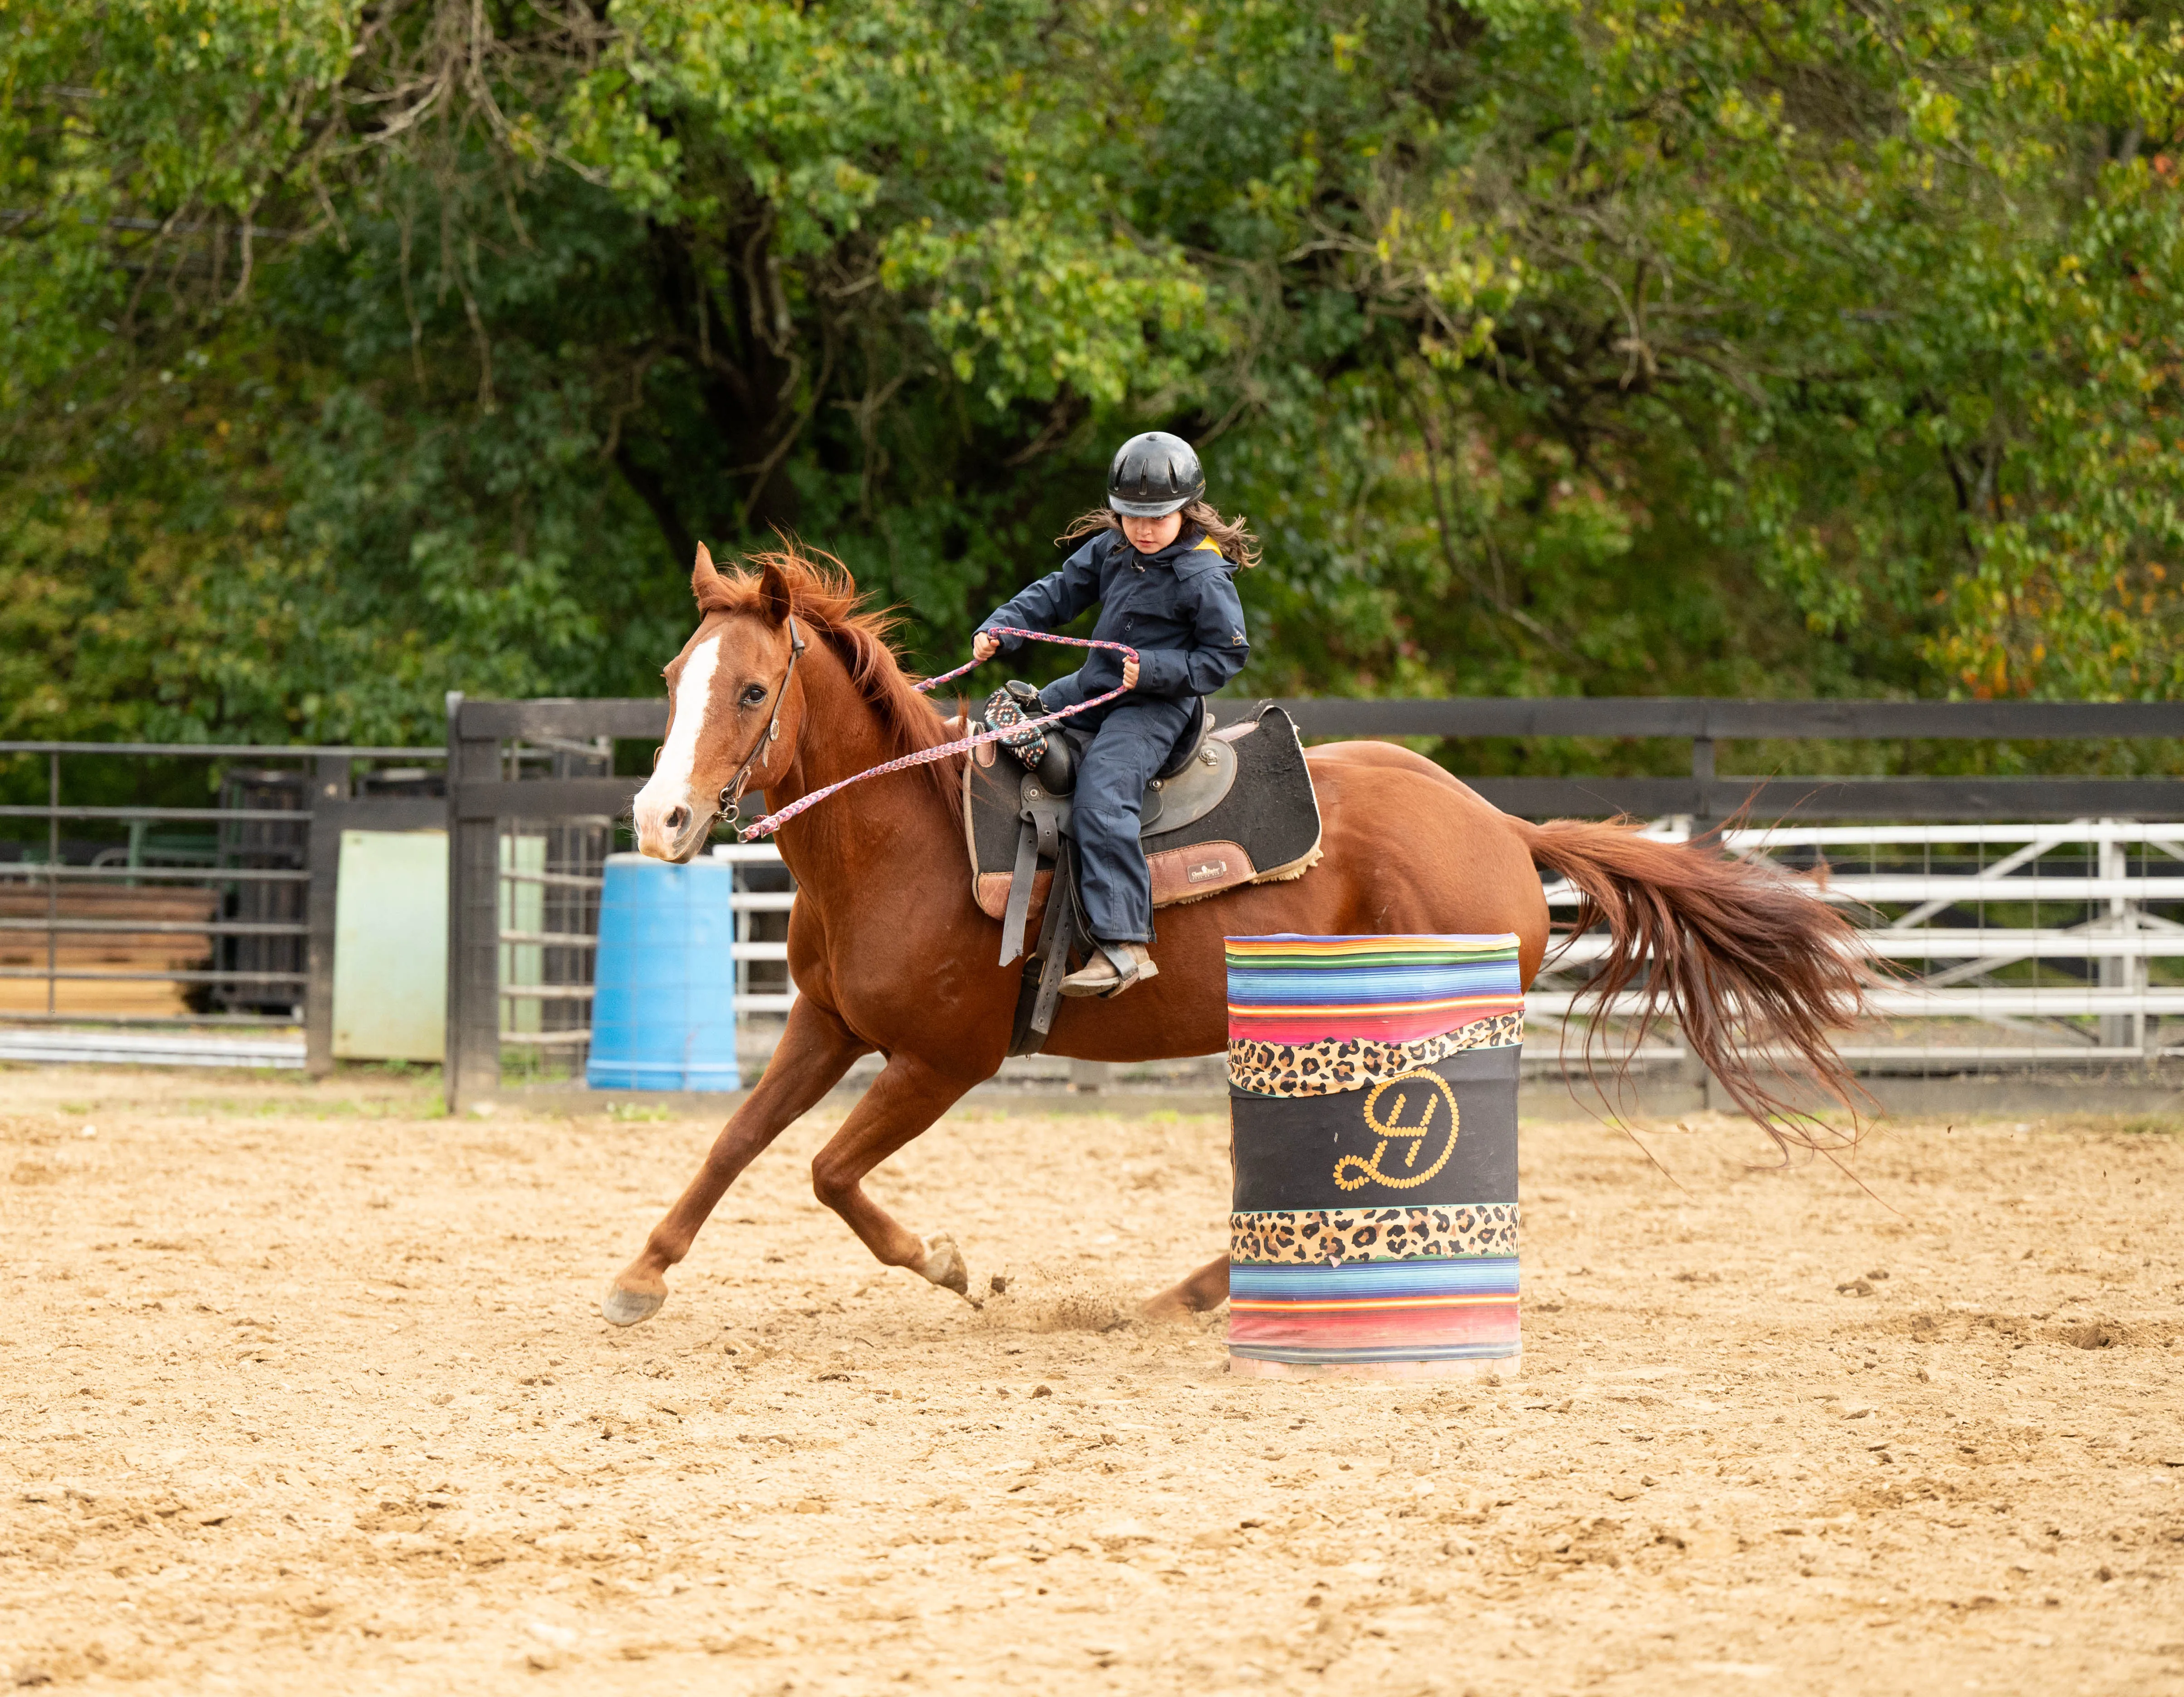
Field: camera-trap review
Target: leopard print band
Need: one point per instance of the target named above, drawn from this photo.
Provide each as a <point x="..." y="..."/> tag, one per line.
<point x="1329" y="1068"/>
<point x="1327" y="1236"/>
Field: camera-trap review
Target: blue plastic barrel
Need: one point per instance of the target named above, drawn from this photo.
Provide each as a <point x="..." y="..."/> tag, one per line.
<point x="663" y="1005"/>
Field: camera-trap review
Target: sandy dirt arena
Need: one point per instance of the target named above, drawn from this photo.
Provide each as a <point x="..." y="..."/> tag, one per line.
<point x="302" y="1390"/>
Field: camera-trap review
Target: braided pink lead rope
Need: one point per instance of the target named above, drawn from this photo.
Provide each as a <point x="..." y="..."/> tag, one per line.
<point x="925" y="757"/>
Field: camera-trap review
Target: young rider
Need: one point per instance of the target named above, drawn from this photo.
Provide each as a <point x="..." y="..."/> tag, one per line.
<point x="1161" y="563"/>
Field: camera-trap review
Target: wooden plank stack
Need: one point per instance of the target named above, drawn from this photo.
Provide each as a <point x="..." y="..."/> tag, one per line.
<point x="123" y="950"/>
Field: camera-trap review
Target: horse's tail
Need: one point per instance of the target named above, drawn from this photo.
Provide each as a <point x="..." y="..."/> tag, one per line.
<point x="1733" y="944"/>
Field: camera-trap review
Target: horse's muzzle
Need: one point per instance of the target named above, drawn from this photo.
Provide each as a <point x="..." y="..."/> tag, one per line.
<point x="671" y="828"/>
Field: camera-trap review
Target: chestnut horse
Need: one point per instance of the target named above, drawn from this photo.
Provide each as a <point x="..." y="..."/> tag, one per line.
<point x="890" y="954"/>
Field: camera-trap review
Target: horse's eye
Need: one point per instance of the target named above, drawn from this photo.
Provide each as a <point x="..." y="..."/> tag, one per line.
<point x="753" y="693"/>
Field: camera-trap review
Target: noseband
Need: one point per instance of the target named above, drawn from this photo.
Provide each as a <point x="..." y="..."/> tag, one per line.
<point x="731" y="793"/>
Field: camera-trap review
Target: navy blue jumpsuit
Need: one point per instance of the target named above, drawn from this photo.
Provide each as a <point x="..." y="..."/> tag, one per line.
<point x="1179" y="608"/>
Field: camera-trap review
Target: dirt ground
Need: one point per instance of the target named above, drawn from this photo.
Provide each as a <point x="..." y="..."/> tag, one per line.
<point x="302" y="1390"/>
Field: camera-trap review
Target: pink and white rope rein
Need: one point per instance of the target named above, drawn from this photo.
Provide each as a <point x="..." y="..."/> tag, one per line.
<point x="925" y="757"/>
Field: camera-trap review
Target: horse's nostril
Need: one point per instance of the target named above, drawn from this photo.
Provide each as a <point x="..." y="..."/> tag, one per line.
<point x="678" y="817"/>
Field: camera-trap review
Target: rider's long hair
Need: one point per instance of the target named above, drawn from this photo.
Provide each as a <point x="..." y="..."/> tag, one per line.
<point x="1233" y="536"/>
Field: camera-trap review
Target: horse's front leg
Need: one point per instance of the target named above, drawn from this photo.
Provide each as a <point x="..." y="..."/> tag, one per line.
<point x="907" y="1096"/>
<point x="815" y="1050"/>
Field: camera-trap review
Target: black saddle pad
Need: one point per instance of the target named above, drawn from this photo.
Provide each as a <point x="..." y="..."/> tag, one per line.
<point x="1266" y="826"/>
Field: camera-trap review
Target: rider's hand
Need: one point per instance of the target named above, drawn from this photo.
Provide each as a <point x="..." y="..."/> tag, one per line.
<point x="1130" y="672"/>
<point x="984" y="646"/>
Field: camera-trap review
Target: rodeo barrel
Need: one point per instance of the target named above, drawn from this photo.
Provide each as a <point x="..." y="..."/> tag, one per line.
<point x="663" y="1004"/>
<point x="1373" y="1099"/>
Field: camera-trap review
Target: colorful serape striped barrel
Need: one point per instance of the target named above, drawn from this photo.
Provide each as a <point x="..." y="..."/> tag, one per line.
<point x="1372" y="1098"/>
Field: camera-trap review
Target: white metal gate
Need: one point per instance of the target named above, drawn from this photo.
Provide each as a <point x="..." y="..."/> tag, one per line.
<point x="2006" y="945"/>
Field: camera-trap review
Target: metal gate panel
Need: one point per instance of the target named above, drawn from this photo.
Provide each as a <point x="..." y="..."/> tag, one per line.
<point x="390" y="978"/>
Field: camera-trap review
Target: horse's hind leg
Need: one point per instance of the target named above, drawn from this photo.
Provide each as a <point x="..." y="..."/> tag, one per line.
<point x="1206" y="1288"/>
<point x="907" y="1096"/>
<point x="815" y="1050"/>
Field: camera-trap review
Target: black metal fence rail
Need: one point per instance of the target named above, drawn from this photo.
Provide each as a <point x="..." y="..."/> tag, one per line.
<point x="1710" y="718"/>
<point x="1709" y="795"/>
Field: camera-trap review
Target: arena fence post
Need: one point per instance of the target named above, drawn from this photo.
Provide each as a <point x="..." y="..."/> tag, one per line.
<point x="472" y="1064"/>
<point x="1702" y="775"/>
<point x="330" y="786"/>
<point x="2118" y="972"/>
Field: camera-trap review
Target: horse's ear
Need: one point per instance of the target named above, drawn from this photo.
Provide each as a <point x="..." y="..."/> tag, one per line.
<point x="774" y="594"/>
<point x="704" y="582"/>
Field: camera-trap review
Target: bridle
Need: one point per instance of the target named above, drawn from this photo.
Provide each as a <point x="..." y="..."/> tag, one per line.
<point x="731" y="793"/>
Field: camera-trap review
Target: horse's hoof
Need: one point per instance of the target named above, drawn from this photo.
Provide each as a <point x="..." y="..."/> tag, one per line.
<point x="621" y="1307"/>
<point x="1170" y="1307"/>
<point x="944" y="1266"/>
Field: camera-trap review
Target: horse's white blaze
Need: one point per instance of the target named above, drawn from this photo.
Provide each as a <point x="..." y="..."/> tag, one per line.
<point x="669" y="787"/>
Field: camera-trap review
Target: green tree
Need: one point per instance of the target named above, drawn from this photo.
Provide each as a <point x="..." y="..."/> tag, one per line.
<point x="352" y="353"/>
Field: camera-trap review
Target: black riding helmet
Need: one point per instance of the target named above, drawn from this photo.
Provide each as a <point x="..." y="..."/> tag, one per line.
<point x="1154" y="474"/>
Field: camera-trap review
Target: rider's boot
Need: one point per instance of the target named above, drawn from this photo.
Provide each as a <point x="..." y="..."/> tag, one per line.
<point x="1112" y="968"/>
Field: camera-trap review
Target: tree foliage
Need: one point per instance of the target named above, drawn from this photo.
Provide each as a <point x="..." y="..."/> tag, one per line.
<point x="351" y="352"/>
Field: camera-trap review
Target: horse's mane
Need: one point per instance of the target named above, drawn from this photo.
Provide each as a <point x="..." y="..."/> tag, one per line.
<point x="823" y="594"/>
